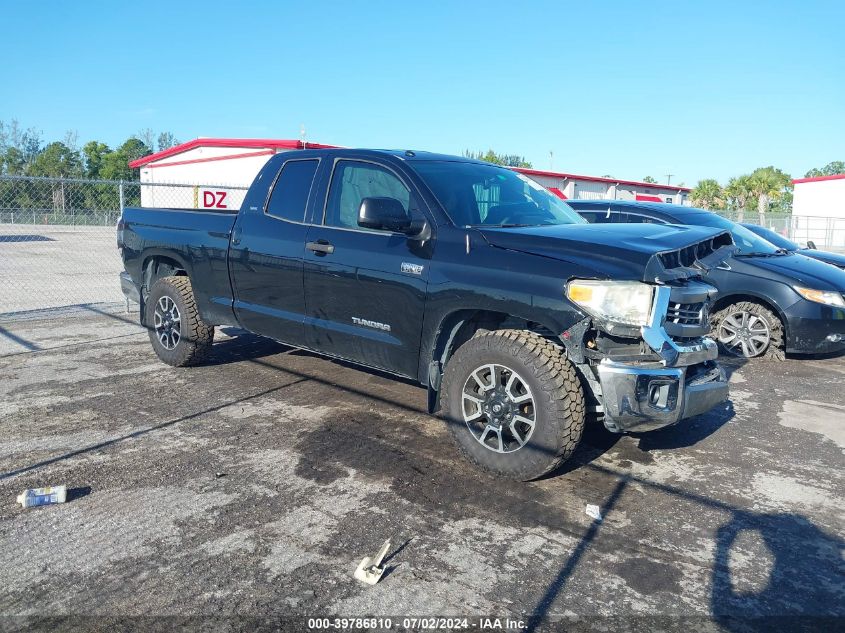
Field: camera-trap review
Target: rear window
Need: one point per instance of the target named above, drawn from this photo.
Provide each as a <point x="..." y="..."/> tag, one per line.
<point x="290" y="193"/>
<point x="617" y="217"/>
<point x="747" y="242"/>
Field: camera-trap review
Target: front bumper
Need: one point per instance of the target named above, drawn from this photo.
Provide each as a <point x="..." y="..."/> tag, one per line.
<point x="640" y="399"/>
<point x="813" y="328"/>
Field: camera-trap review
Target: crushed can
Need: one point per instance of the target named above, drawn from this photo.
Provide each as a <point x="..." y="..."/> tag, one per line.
<point x="42" y="496"/>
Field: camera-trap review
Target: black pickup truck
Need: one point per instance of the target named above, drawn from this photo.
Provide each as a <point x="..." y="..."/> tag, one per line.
<point x="518" y="317"/>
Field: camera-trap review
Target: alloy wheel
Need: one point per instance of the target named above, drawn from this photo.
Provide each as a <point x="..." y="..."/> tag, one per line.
<point x="744" y="334"/>
<point x="167" y="322"/>
<point x="498" y="408"/>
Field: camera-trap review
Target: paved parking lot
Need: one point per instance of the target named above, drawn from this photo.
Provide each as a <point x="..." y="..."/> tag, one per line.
<point x="252" y="486"/>
<point x="45" y="266"/>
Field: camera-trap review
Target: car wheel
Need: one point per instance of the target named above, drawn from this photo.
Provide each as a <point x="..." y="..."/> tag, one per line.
<point x="749" y="330"/>
<point x="513" y="403"/>
<point x="178" y="334"/>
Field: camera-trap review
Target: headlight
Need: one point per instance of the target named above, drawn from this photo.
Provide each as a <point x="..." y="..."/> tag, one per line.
<point x="622" y="302"/>
<point x="827" y="297"/>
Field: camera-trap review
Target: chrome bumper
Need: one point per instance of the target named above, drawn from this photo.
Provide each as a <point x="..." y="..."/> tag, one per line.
<point x="644" y="399"/>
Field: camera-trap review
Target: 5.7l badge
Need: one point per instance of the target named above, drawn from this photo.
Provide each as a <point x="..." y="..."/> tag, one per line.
<point x="414" y="269"/>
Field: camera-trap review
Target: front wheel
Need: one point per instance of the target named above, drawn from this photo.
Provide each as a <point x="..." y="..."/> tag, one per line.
<point x="179" y="335"/>
<point x="513" y="403"/>
<point x="749" y="330"/>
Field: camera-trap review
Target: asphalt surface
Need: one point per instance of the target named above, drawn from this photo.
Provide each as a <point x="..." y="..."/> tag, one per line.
<point x="48" y="266"/>
<point x="248" y="489"/>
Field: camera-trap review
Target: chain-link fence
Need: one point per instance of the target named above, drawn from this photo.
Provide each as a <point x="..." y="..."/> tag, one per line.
<point x="827" y="233"/>
<point x="58" y="245"/>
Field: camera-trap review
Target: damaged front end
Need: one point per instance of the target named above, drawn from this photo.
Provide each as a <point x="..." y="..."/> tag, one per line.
<point x="651" y="369"/>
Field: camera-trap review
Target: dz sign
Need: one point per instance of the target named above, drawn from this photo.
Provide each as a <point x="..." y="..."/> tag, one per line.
<point x="214" y="200"/>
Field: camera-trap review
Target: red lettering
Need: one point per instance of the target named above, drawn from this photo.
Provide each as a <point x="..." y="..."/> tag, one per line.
<point x="214" y="200"/>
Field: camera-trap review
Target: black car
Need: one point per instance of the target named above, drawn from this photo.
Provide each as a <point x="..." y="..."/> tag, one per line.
<point x="835" y="259"/>
<point x="770" y="301"/>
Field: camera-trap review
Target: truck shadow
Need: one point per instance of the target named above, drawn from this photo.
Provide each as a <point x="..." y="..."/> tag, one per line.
<point x="769" y="572"/>
<point x="688" y="432"/>
<point x="804" y="589"/>
<point x="595" y="442"/>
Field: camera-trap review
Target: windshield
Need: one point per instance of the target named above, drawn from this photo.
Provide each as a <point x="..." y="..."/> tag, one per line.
<point x="771" y="236"/>
<point x="487" y="195"/>
<point x="746" y="242"/>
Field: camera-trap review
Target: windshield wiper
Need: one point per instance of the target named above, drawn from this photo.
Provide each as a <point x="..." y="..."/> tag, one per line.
<point x="500" y="226"/>
<point x="513" y="225"/>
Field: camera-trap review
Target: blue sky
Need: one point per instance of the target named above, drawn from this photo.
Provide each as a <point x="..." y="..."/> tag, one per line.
<point x="706" y="89"/>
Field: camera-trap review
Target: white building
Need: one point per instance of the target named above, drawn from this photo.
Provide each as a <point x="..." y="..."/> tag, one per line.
<point x="213" y="172"/>
<point x="572" y="187"/>
<point x="818" y="211"/>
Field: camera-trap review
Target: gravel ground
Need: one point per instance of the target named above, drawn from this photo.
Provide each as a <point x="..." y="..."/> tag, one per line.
<point x="244" y="492"/>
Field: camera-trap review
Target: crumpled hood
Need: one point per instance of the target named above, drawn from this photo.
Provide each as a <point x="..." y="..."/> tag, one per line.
<point x="645" y="252"/>
<point x="801" y="270"/>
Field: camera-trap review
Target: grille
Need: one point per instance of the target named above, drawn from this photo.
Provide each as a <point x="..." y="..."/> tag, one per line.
<point x="685" y="313"/>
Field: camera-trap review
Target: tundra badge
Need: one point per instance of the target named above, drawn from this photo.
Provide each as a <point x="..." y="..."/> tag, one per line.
<point x="372" y="324"/>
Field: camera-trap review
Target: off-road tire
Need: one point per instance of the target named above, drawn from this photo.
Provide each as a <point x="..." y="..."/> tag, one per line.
<point x="558" y="398"/>
<point x="196" y="335"/>
<point x="775" y="348"/>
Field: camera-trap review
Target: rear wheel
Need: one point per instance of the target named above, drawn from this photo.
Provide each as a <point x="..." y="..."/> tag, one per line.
<point x="179" y="335"/>
<point x="513" y="403"/>
<point x="749" y="330"/>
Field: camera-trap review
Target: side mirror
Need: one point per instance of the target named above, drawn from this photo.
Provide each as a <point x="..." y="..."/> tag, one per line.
<point x="385" y="214"/>
<point x="811" y="244"/>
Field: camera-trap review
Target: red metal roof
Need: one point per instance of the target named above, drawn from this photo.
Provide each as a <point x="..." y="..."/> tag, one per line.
<point x="613" y="181"/>
<point x="261" y="143"/>
<point x="818" y="178"/>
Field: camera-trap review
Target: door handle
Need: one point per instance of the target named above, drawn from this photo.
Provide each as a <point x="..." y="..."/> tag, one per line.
<point x="321" y="247"/>
<point x="236" y="235"/>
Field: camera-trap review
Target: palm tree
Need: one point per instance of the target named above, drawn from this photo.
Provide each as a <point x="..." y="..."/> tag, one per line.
<point x="767" y="184"/>
<point x="738" y="192"/>
<point x="708" y="194"/>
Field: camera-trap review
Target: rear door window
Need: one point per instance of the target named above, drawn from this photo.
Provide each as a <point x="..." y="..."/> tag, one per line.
<point x="290" y="193"/>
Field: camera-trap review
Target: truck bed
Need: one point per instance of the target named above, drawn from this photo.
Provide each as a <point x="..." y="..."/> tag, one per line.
<point x="195" y="240"/>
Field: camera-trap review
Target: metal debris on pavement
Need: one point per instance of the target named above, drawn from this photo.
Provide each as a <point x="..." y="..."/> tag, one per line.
<point x="370" y="570"/>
